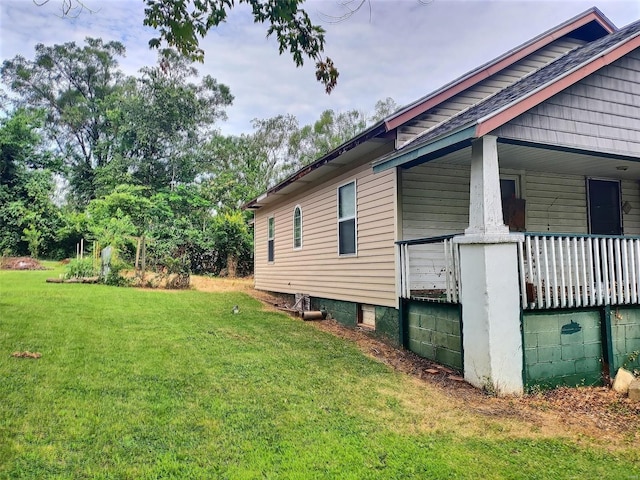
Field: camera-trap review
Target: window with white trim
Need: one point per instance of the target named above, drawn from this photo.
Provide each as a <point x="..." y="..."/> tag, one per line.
<point x="347" y="228"/>
<point x="271" y="237"/>
<point x="297" y="227"/>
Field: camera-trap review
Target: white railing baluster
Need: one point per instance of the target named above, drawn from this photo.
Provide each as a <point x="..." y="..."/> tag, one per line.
<point x="625" y="263"/>
<point x="530" y="267"/>
<point x="554" y="269"/>
<point x="620" y="288"/>
<point x="547" y="287"/>
<point x="447" y="269"/>
<point x="540" y="293"/>
<point x="570" y="273"/>
<point x="605" y="270"/>
<point x="632" y="271"/>
<point x="598" y="273"/>
<point x="576" y="266"/>
<point x="585" y="294"/>
<point x="613" y="294"/>
<point x="592" y="290"/>
<point x="402" y="271"/>
<point x="563" y="283"/>
<point x="637" y="252"/>
<point x="456" y="286"/>
<point x="523" y="283"/>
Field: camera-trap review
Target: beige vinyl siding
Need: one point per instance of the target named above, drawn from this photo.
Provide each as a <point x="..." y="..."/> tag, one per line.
<point x="317" y="269"/>
<point x="600" y="113"/>
<point x="485" y="89"/>
<point x="435" y="201"/>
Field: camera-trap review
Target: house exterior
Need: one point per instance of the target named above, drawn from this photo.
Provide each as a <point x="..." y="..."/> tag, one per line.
<point x="493" y="225"/>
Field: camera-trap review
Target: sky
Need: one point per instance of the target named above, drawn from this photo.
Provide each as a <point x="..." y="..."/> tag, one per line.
<point x="401" y="49"/>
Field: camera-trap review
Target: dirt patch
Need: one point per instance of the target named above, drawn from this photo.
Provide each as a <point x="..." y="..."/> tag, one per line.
<point x="20" y="263"/>
<point x="594" y="412"/>
<point x="27" y="354"/>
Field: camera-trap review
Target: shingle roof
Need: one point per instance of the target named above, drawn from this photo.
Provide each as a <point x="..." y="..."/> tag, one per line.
<point x="527" y="85"/>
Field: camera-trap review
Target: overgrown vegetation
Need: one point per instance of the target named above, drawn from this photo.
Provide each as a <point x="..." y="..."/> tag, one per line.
<point x="153" y="384"/>
<point x="140" y="157"/>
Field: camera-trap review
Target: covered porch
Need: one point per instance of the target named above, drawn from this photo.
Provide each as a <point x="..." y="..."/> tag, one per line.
<point x="502" y="228"/>
<point x="554" y="270"/>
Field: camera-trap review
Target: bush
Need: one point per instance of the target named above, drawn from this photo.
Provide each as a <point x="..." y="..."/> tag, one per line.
<point x="80" y="268"/>
<point x="115" y="277"/>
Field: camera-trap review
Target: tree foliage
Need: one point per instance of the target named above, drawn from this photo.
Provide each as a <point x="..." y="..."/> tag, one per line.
<point x="27" y="214"/>
<point x="182" y="23"/>
<point x="143" y="157"/>
<point x="73" y="85"/>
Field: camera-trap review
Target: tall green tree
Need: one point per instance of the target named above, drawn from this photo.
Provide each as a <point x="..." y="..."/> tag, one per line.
<point x="72" y="84"/>
<point x="162" y="119"/>
<point x="28" y="216"/>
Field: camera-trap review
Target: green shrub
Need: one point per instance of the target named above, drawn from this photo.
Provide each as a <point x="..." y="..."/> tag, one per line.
<point x="80" y="268"/>
<point x="115" y="277"/>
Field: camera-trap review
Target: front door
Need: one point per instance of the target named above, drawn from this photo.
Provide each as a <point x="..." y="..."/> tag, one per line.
<point x="604" y="207"/>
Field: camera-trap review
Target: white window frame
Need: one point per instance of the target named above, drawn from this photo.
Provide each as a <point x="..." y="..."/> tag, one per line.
<point x="354" y="218"/>
<point x="295" y="209"/>
<point x="271" y="237"/>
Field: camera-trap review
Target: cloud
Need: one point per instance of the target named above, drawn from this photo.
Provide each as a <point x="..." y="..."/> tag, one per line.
<point x="404" y="49"/>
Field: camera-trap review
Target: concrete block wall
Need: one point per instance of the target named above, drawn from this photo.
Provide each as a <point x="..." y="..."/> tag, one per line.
<point x="625" y="336"/>
<point x="562" y="348"/>
<point x="434" y="332"/>
<point x="346" y="313"/>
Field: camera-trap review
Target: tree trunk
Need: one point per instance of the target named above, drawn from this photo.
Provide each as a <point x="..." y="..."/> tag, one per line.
<point x="232" y="265"/>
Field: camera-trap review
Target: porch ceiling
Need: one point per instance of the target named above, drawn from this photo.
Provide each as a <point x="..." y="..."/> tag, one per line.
<point x="550" y="160"/>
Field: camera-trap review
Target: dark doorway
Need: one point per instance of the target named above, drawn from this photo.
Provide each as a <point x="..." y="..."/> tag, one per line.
<point x="604" y="207"/>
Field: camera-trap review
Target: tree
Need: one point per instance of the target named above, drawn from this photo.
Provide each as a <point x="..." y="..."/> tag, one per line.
<point x="327" y="133"/>
<point x="182" y="23"/>
<point x="73" y="85"/>
<point x="27" y="214"/>
<point x="383" y="109"/>
<point x="162" y="119"/>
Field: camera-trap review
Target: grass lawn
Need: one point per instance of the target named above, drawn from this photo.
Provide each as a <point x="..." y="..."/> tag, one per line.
<point x="155" y="384"/>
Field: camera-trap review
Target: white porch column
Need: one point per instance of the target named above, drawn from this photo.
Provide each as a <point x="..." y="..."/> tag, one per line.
<point x="490" y="293"/>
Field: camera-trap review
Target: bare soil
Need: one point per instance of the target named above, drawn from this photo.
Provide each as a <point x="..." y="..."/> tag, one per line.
<point x="20" y="263"/>
<point x="594" y="412"/>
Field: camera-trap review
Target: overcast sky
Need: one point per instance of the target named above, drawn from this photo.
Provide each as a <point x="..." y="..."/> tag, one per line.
<point x="402" y="49"/>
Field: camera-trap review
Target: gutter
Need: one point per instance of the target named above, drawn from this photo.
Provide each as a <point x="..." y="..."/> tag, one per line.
<point x="372" y="132"/>
<point x="452" y="141"/>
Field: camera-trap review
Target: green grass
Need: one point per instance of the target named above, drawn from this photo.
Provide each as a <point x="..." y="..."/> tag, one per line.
<point x="155" y="384"/>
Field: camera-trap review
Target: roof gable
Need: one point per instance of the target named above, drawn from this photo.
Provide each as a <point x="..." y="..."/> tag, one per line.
<point x="523" y="95"/>
<point x="587" y="26"/>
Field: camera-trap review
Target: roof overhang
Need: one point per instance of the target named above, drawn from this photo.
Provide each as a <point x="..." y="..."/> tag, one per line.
<point x="437" y="147"/>
<point x="373" y="136"/>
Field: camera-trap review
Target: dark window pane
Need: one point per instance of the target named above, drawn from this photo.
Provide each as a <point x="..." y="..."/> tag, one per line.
<point x="347" y="237"/>
<point x="270" y="250"/>
<point x="297" y="228"/>
<point x="604" y="207"/>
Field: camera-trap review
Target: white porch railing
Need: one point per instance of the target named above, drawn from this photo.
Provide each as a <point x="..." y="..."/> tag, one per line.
<point x="565" y="271"/>
<point x="429" y="269"/>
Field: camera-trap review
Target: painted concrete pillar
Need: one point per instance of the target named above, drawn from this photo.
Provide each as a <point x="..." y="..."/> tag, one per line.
<point x="489" y="284"/>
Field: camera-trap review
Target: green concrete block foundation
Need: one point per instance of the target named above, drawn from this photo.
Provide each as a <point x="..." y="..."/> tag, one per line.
<point x="562" y="348"/>
<point x="433" y="332"/>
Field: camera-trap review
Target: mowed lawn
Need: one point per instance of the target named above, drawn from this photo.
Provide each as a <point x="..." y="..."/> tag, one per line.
<point x="155" y="384"/>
